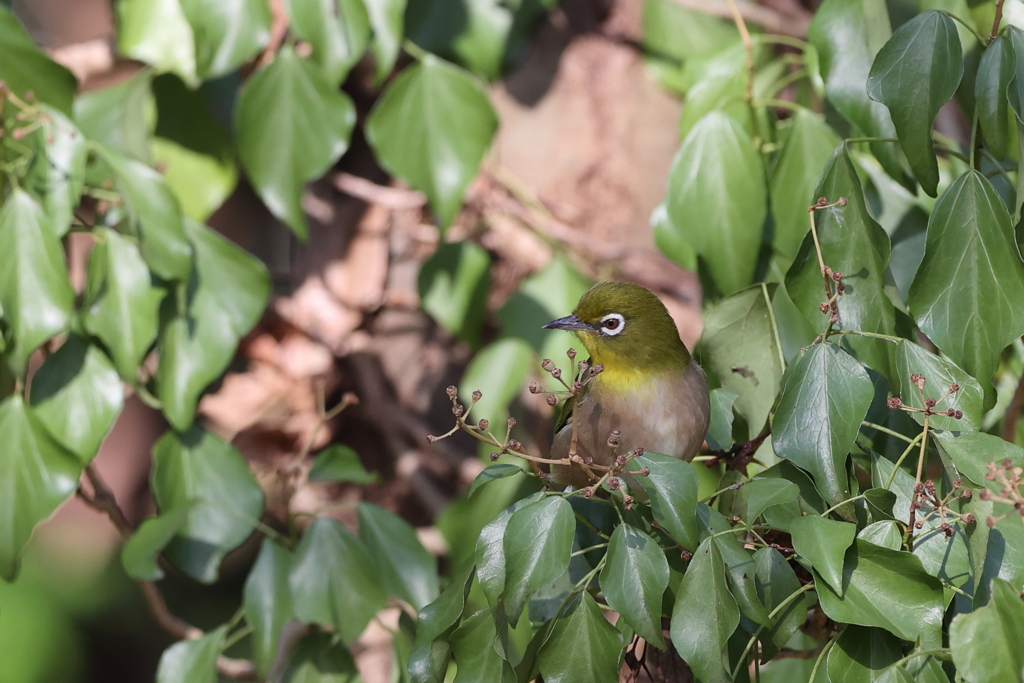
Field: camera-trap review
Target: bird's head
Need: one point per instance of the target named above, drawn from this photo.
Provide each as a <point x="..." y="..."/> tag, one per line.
<point x="625" y="327"/>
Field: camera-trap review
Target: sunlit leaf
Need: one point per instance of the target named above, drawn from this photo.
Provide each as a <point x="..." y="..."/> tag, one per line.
<point x="310" y="122"/>
<point x="122" y="303"/>
<point x="537" y="544"/>
<point x="340" y="463"/>
<point x="939" y="374"/>
<point x="474" y="652"/>
<point x="227" y="33"/>
<point x="740" y="347"/>
<point x="337" y="30"/>
<point x="35" y="295"/>
<point x="717" y="199"/>
<point x="120" y="116"/>
<point x="57" y="173"/>
<point x="199" y="336"/>
<point x="914" y="74"/>
<point x="995" y="72"/>
<point x="140" y="552"/>
<point x="158" y="33"/>
<point x="387" y="19"/>
<point x="192" y="661"/>
<point x="861" y="654"/>
<point x="77" y="395"/>
<point x="720" y="430"/>
<point x="36" y="476"/>
<point x="431" y="128"/>
<point x="776" y="582"/>
<point x="672" y="487"/>
<point x="453" y="286"/>
<point x="807" y="149"/>
<point x="25" y="67"/>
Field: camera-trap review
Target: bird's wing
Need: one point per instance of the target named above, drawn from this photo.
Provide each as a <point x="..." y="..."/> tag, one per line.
<point x="564" y="415"/>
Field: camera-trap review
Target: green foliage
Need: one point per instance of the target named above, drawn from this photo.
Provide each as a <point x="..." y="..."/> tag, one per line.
<point x="862" y="357"/>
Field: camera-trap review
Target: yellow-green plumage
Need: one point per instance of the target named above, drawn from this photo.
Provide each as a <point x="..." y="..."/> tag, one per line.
<point x="651" y="390"/>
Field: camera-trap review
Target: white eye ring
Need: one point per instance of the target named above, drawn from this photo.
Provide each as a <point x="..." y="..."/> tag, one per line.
<point x="612" y="324"/>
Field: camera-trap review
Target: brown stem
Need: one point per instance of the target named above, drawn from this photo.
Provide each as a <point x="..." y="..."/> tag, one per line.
<point x="998" y="18"/>
<point x="1013" y="412"/>
<point x="102" y="500"/>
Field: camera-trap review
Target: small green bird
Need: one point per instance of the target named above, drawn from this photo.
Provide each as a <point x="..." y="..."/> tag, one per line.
<point x="650" y="390"/>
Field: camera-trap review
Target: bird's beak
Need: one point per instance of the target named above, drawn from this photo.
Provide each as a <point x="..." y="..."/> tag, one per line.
<point x="569" y="322"/>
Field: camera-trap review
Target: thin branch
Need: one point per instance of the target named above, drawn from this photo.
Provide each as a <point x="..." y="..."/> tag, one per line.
<point x="794" y="25"/>
<point x="1013" y="412"/>
<point x="372" y="193"/>
<point x="998" y="18"/>
<point x="102" y="500"/>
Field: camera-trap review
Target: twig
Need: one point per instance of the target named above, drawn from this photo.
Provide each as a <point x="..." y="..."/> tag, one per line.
<point x="1013" y="412"/>
<point x="372" y="193"/>
<point x="278" y="31"/>
<point x="102" y="500"/>
<point x="998" y="18"/>
<point x="794" y="25"/>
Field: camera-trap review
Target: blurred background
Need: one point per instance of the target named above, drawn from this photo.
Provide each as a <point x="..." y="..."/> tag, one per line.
<point x="565" y="196"/>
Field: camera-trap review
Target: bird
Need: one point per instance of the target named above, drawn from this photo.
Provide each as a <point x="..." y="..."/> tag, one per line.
<point x="650" y="389"/>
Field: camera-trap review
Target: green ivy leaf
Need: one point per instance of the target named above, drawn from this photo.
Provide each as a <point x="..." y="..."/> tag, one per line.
<point x="319" y="658"/>
<point x="227" y="33"/>
<point x="583" y="646"/>
<point x="267" y="602"/>
<point x="805" y="153"/>
<point x="431" y="128"/>
<point x="197" y="467"/>
<point x="36" y="475"/>
<point x="847" y="34"/>
<point x="120" y="116"/>
<point x="988" y="644"/>
<point x="340" y="463"/>
<point x="406" y="569"/>
<point x="914" y="74"/>
<point x="971" y="272"/>
<point x="497" y="371"/>
<point x="493" y="473"/>
<point x="158" y="33"/>
<point x="192" y="661"/>
<point x="387" y="19"/>
<point x="428" y="662"/>
<point x="887" y="589"/>
<point x="473" y="648"/>
<point x="740" y="346"/>
<point x="775" y="581"/>
<point x="292" y="103"/>
<point x="720" y="430"/>
<point x="939" y="374"/>
<point x="334" y="581"/>
<point x="739" y="563"/>
<point x="672" y="486"/>
<point x="1015" y="91"/>
<point x="946" y="558"/>
<point x="225" y="300"/>
<point x="861" y="654"/>
<point x="995" y="72"/>
<point x="537" y="544"/>
<point x="154" y="216"/>
<point x="57" y="172"/>
<point x="971" y="452"/>
<point x="705" y="615"/>
<point x="35" y="295"/>
<point x="490" y="551"/>
<point x="884" y="534"/>
<point x="122" y="303"/>
<point x="25" y="67"/>
<point x="763" y="493"/>
<point x="191" y="148"/>
<point x="717" y="199"/>
<point x="139" y="553"/>
<point x="453" y="287"/>
<point x="823" y="542"/>
<point x="634" y="580"/>
<point x="852" y="243"/>
<point x="337" y="30"/>
<point x="825" y="396"/>
<point x="77" y="395"/>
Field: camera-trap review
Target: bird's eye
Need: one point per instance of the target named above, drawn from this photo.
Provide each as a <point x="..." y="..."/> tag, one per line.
<point x="612" y="324"/>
